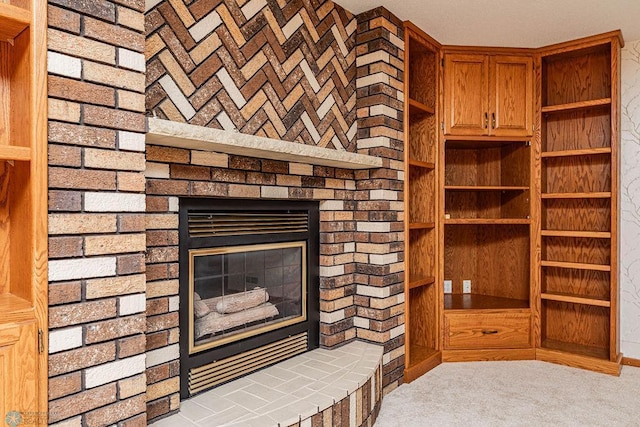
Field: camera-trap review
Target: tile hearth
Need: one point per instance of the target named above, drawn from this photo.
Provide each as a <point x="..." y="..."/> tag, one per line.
<point x="293" y="391"/>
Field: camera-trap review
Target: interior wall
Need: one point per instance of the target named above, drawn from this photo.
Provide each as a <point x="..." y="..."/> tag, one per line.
<point x="630" y="202"/>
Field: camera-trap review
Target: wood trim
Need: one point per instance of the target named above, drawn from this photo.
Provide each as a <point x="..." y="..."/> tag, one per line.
<point x="578" y="361"/>
<point x="40" y="189"/>
<point x="413" y="372"/>
<point x="629" y="361"/>
<point x="536" y="209"/>
<point x="582" y="43"/>
<point x="614" y="312"/>
<point x="406" y="225"/>
<point x="488" y="50"/>
<point x="417" y="33"/>
<point x="488" y="355"/>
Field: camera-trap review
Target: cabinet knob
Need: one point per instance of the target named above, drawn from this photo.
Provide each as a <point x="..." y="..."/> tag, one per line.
<point x="493" y="120"/>
<point x="489" y="331"/>
<point x="486" y="120"/>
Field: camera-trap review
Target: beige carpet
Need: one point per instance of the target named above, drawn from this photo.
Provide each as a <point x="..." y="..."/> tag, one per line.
<point x="527" y="393"/>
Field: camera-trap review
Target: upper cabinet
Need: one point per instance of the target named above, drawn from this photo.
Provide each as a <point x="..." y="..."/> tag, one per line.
<point x="488" y="95"/>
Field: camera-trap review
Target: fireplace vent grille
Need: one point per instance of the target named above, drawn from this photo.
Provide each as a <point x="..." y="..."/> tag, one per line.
<point x="211" y="224"/>
<point x="224" y="370"/>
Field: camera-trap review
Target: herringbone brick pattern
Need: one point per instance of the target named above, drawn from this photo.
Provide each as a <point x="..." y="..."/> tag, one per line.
<point x="284" y="69"/>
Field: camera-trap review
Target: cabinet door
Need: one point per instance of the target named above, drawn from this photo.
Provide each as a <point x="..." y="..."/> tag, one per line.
<point x="466" y="94"/>
<point x="511" y="95"/>
<point x="19" y="371"/>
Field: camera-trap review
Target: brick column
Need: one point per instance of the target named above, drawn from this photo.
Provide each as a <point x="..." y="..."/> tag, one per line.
<point x="379" y="197"/>
<point x="96" y="213"/>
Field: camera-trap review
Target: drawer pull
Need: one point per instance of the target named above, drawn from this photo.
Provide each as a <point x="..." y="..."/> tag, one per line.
<point x="489" y="331"/>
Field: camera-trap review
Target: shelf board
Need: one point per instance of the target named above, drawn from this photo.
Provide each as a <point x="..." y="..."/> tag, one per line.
<point x="423" y="281"/>
<point x="481" y="302"/>
<point x="487" y="221"/>
<point x="417" y="107"/>
<point x="485" y="188"/>
<point x="567" y="233"/>
<point x="580" y="152"/>
<point x="10" y="303"/>
<point x="599" y="195"/>
<point x="482" y="142"/>
<point x="576" y="105"/>
<point x="584" y="350"/>
<point x="12" y="152"/>
<point x="13" y="21"/>
<point x="421" y="164"/>
<point x="421" y="360"/>
<point x="422" y="225"/>
<point x="575" y="299"/>
<point x="576" y="265"/>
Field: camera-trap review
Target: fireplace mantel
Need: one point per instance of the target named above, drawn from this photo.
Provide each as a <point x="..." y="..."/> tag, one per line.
<point x="183" y="135"/>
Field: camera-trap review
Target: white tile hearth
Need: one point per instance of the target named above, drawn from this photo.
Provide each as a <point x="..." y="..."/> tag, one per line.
<point x="289" y="392"/>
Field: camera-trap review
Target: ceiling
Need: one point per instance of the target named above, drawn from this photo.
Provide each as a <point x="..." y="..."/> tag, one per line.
<point x="511" y="23"/>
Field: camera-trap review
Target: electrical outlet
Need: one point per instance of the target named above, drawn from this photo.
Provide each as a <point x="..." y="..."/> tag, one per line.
<point x="466" y="286"/>
<point x="448" y="286"/>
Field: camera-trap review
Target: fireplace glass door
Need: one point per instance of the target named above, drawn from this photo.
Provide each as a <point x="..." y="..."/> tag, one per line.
<point x="241" y="291"/>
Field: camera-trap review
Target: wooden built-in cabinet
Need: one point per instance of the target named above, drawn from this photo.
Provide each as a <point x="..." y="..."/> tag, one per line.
<point x="488" y="94"/>
<point x="579" y="113"/>
<point x="23" y="209"/>
<point x="422" y="322"/>
<point x="522" y="203"/>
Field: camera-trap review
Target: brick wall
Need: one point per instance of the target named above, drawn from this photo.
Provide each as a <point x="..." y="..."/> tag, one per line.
<point x="282" y="69"/>
<point x="96" y="213"/>
<point x="361" y="247"/>
<point x="380" y="207"/>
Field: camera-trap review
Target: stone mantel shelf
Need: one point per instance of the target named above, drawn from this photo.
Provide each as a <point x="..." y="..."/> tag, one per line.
<point x="183" y="135"/>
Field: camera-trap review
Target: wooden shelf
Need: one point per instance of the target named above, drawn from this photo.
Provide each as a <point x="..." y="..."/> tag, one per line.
<point x="421" y="360"/>
<point x="600" y="195"/>
<point x="424" y="281"/>
<point x="586" y="234"/>
<point x="487" y="221"/>
<point x="486" y="142"/>
<point x="576" y="105"/>
<point x="581" y="152"/>
<point x="575" y="299"/>
<point x="481" y="302"/>
<point x="484" y="188"/>
<point x="11" y="152"/>
<point x="417" y="107"/>
<point x="584" y="350"/>
<point x="576" y="265"/>
<point x="421" y="164"/>
<point x="422" y="225"/>
<point x="13" y="21"/>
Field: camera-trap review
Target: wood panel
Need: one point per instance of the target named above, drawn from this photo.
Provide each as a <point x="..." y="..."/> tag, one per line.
<point x="582" y="283"/>
<point x="423" y="317"/>
<point x="581" y="75"/>
<point x="478" y="331"/>
<point x="22" y="238"/>
<point x="572" y="130"/>
<point x="576" y="214"/>
<point x="488" y="355"/>
<point x="481" y="302"/>
<point x="19" y="369"/>
<point x="5" y="228"/>
<point x="423" y="138"/>
<point x="420" y="252"/>
<point x="487" y="204"/>
<point x="511" y="93"/>
<point x="5" y="93"/>
<point x="478" y="253"/>
<point x="581" y="326"/>
<point x="466" y="94"/>
<point x="503" y="262"/>
<point x="421" y="195"/>
<point x="514" y="167"/>
<point x="578" y="357"/>
<point x="577" y="174"/>
<point x="422" y="72"/>
<point x="21" y="75"/>
<point x="580" y="250"/>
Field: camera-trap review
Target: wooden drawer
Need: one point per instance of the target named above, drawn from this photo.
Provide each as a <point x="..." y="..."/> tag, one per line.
<point x="490" y="330"/>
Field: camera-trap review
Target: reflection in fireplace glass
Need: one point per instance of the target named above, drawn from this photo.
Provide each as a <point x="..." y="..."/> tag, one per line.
<point x="246" y="290"/>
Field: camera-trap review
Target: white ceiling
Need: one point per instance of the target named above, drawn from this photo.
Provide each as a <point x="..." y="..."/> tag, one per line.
<point x="511" y="23"/>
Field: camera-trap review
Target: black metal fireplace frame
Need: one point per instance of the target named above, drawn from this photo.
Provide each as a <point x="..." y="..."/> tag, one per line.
<point x="311" y="325"/>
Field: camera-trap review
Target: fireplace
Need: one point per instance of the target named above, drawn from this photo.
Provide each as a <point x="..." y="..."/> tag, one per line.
<point x="249" y="297"/>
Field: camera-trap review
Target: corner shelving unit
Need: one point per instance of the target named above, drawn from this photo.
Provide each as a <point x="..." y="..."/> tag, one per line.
<point x="23" y="207"/>
<point x="579" y="202"/>
<point x="422" y="322"/>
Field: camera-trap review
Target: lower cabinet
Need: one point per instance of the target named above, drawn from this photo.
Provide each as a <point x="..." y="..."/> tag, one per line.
<point x="471" y="331"/>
